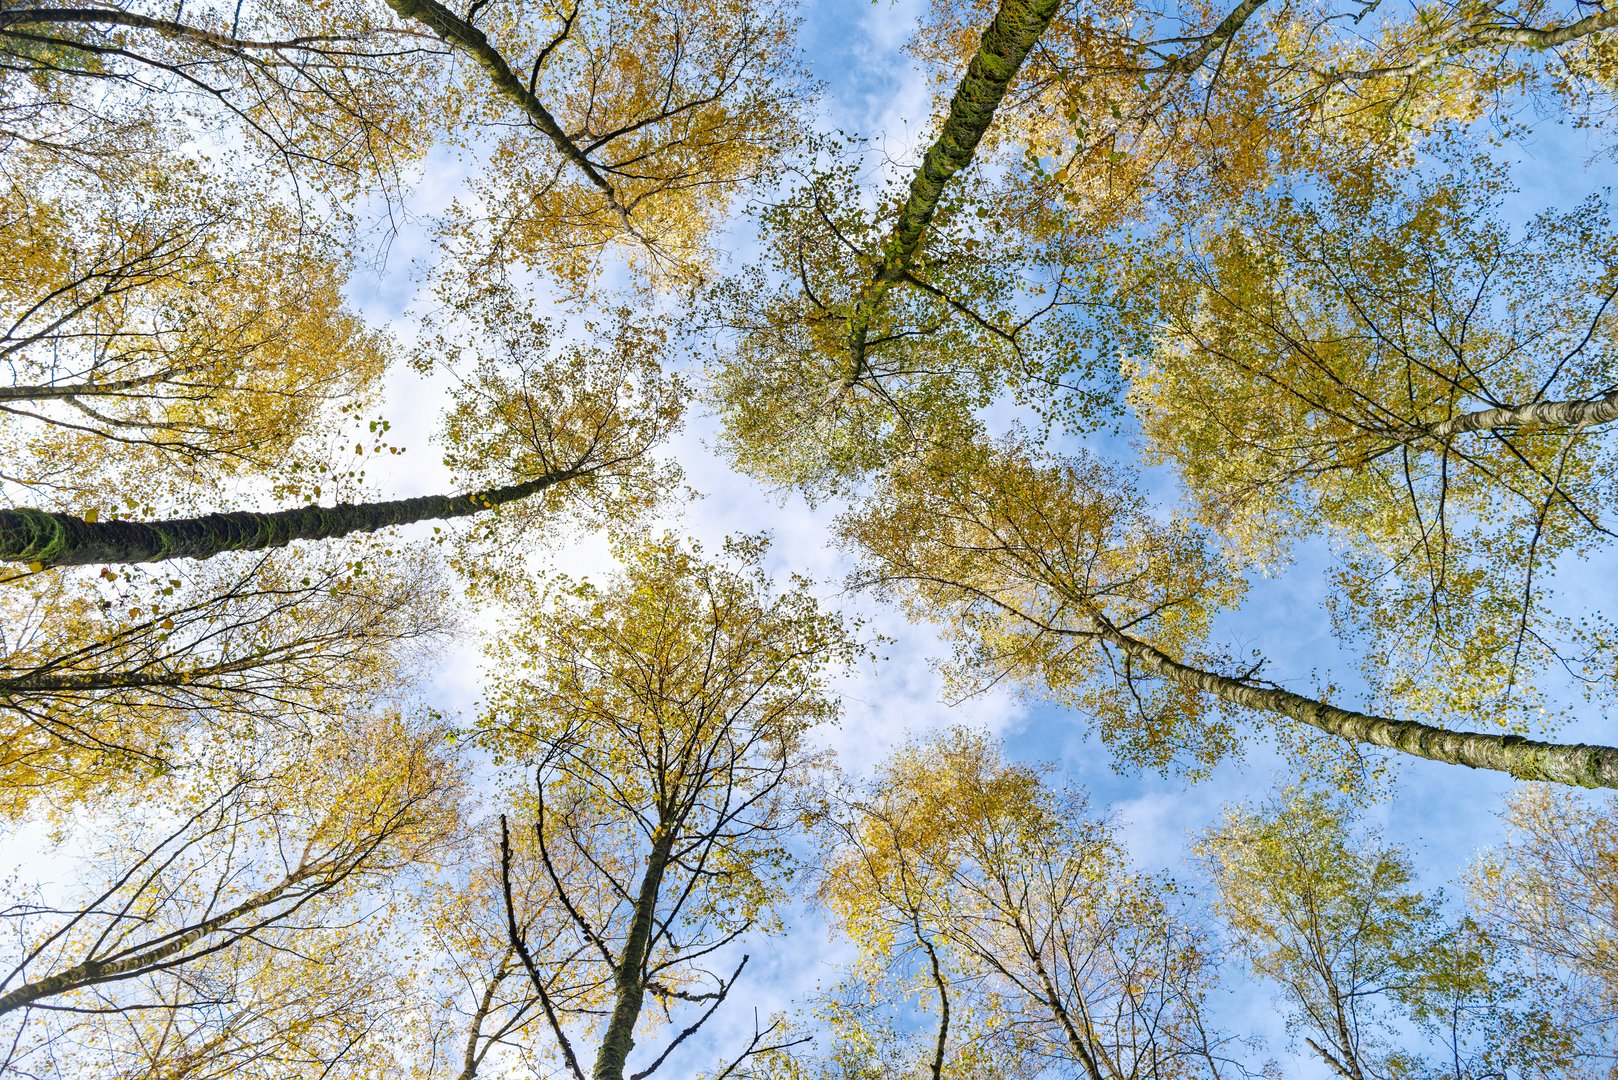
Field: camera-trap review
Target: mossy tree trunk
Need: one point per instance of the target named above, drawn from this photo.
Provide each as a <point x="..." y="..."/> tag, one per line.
<point x="42" y="539"/>
<point x="629" y="980"/>
<point x="1005" y="45"/>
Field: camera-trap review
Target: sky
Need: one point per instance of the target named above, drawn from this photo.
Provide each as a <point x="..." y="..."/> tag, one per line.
<point x="1443" y="814"/>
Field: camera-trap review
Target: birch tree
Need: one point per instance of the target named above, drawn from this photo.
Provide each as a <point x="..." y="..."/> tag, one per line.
<point x="169" y="338"/>
<point x="1032" y="943"/>
<point x="109" y="682"/>
<point x="184" y="912"/>
<point x="615" y="127"/>
<point x="1053" y="573"/>
<point x="1396" y="366"/>
<point x="665" y="717"/>
<point x="1547" y="891"/>
<point x="1359" y="954"/>
<point x="330" y="96"/>
<point x="578" y="418"/>
<point x="882" y="324"/>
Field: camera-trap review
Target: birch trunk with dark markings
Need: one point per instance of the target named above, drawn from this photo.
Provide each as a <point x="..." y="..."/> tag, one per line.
<point x="47" y="539"/>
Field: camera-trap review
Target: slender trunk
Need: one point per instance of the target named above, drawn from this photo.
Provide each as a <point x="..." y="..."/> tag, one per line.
<point x="60" y="391"/>
<point x="1076" y="1042"/>
<point x="472" y="1059"/>
<point x="1548" y="37"/>
<point x="629" y="979"/>
<point x="471" y="41"/>
<point x="102" y="17"/>
<point x="87" y="682"/>
<point x="1349" y="1064"/>
<point x="942" y="1042"/>
<point x="1527" y="759"/>
<point x="1337" y="1066"/>
<point x="1227" y="29"/>
<point x="134" y="961"/>
<point x="1004" y="47"/>
<point x="91" y="681"/>
<point x="46" y="539"/>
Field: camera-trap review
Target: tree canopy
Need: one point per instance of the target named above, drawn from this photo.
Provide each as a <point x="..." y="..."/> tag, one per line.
<point x="1187" y="399"/>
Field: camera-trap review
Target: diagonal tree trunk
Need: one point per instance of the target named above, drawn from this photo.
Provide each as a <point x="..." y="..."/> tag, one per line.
<point x="1005" y="45"/>
<point x="107" y="388"/>
<point x="1551" y="415"/>
<point x="150" y="956"/>
<point x="43" y="539"/>
<point x="468" y="39"/>
<point x="1577" y="764"/>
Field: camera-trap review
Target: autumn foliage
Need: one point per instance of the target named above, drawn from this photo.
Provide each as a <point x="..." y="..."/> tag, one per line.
<point x="320" y="761"/>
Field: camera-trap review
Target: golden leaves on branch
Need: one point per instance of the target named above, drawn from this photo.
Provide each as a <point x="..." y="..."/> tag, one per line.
<point x="1020" y="552"/>
<point x="105" y="687"/>
<point x="234" y="904"/>
<point x="635" y="126"/>
<point x="1315" y="370"/>
<point x="1014" y="919"/>
<point x="991" y="309"/>
<point x="666" y="717"/>
<point x="170" y="330"/>
<point x="524" y="403"/>
<point x="332" y="96"/>
<point x="1331" y="913"/>
<point x="1188" y="110"/>
<point x="1549" y="889"/>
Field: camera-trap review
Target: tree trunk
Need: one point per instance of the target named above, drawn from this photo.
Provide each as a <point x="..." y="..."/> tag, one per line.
<point x="85" y="682"/>
<point x="472" y="1058"/>
<point x="629" y="984"/>
<point x="941" y="1044"/>
<point x="1579" y="765"/>
<point x="46" y="539"/>
<point x="138" y="959"/>
<point x="60" y="391"/>
<point x="1005" y="45"/>
<point x="471" y="41"/>
<point x="1228" y="28"/>
<point x="1541" y="414"/>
